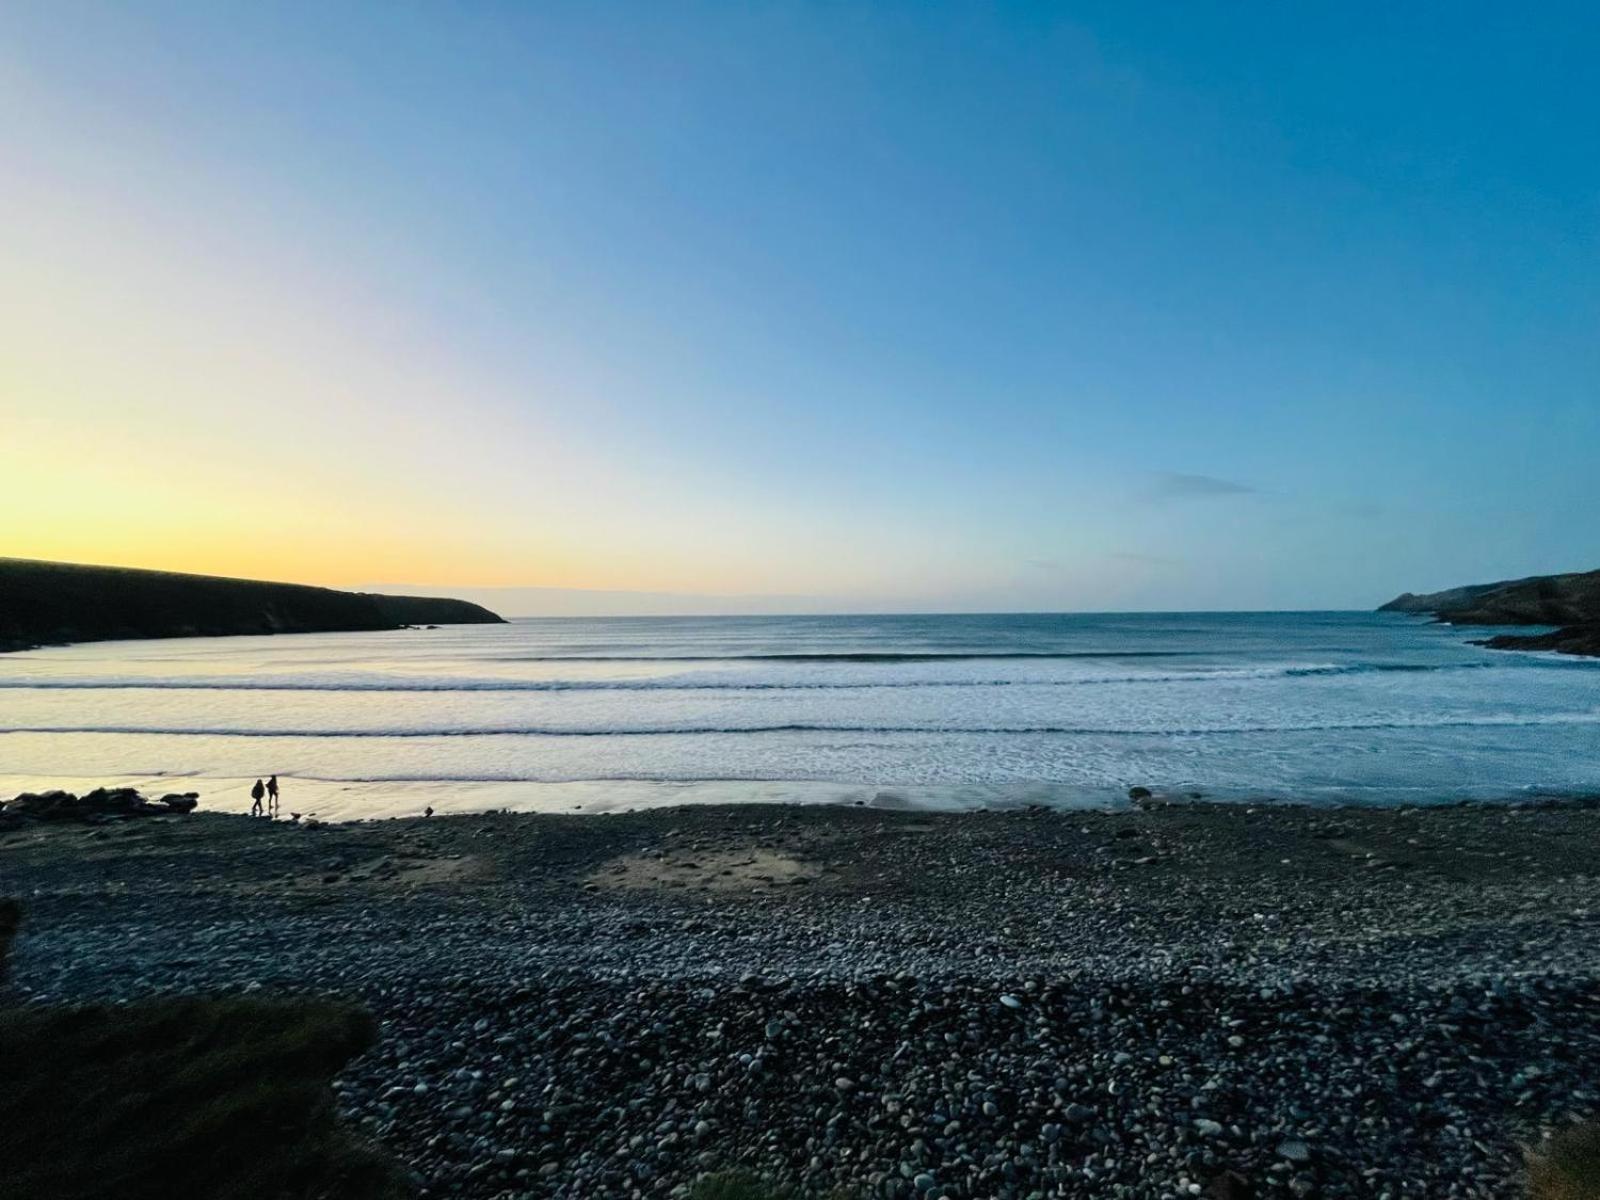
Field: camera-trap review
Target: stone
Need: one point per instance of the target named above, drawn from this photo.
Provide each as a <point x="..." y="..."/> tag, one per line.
<point x="1230" y="1185"/>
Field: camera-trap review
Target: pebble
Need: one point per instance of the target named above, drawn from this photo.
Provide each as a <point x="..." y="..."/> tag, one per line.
<point x="949" y="1029"/>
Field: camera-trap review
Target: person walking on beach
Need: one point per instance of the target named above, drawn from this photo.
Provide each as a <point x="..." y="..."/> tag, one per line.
<point x="272" y="797"/>
<point x="256" y="793"/>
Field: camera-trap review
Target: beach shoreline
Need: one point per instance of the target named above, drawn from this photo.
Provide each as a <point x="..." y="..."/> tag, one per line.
<point x="342" y="800"/>
<point x="1015" y="1001"/>
<point x="1066" y="711"/>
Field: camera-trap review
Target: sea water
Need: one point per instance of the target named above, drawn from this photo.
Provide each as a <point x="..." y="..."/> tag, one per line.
<point x="937" y="710"/>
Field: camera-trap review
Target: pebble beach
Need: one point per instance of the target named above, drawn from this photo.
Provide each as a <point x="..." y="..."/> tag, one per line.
<point x="1219" y="1000"/>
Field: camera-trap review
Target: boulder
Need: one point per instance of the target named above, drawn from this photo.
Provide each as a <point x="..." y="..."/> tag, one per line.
<point x="92" y="808"/>
<point x="108" y="801"/>
<point x="43" y="806"/>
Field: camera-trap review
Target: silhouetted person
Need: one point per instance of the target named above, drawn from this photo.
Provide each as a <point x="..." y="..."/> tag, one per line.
<point x="272" y="796"/>
<point x="256" y="793"/>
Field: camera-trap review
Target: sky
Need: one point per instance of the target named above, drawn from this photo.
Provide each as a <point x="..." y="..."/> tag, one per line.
<point x="817" y="307"/>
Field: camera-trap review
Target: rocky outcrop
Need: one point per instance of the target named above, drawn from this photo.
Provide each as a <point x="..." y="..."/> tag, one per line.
<point x="1571" y="639"/>
<point x="92" y="808"/>
<point x="43" y="602"/>
<point x="1570" y="601"/>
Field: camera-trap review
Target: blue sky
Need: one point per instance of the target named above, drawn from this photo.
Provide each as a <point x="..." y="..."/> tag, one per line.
<point x="894" y="306"/>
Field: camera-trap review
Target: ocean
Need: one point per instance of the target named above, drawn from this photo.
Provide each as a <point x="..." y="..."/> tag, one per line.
<point x="941" y="711"/>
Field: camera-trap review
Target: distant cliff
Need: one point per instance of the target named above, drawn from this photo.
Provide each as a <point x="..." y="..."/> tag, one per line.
<point x="1569" y="601"/>
<point x="45" y="602"/>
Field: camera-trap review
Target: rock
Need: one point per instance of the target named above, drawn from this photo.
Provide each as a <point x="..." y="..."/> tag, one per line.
<point x="1294" y="1150"/>
<point x="43" y="806"/>
<point x="1139" y="793"/>
<point x="98" y="806"/>
<point x="1569" y="639"/>
<point x="1230" y="1185"/>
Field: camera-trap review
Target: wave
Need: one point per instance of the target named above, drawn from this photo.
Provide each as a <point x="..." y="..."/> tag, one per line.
<point x="1492" y="720"/>
<point x="852" y="656"/>
<point x="678" y="683"/>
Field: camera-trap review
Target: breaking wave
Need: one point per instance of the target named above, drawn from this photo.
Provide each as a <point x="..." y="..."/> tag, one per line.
<point x="680" y="683"/>
<point x="1488" y="720"/>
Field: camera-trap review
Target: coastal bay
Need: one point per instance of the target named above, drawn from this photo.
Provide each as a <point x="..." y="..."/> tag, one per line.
<point x="970" y="709"/>
<point x="785" y="602"/>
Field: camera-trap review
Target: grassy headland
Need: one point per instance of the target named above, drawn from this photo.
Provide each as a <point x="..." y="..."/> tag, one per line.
<point x="1570" y="601"/>
<point x="47" y="603"/>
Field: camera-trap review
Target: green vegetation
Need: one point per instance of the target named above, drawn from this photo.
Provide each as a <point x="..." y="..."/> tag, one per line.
<point x="737" y="1185"/>
<point x="1567" y="1166"/>
<point x="64" y="602"/>
<point x="183" y="1097"/>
